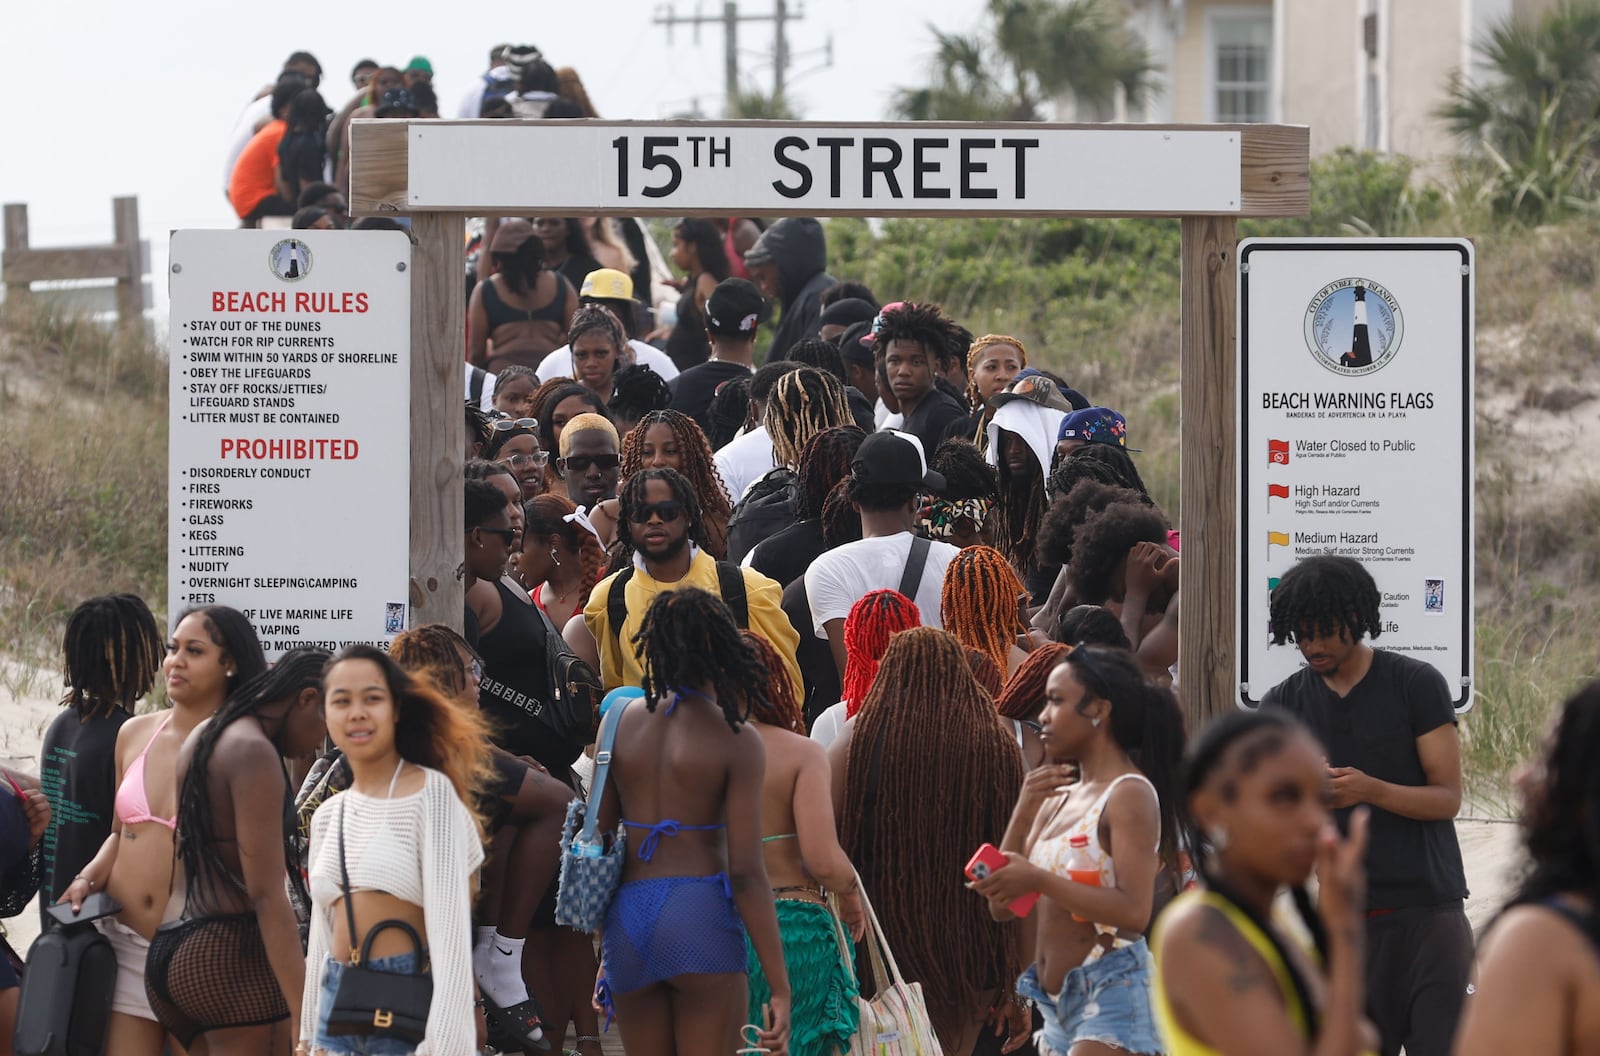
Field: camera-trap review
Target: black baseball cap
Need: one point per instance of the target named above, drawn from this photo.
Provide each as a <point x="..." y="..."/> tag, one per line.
<point x="855" y="344"/>
<point x="890" y="456"/>
<point x="847" y="312"/>
<point x="735" y="308"/>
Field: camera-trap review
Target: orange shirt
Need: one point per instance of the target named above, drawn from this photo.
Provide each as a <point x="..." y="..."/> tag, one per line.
<point x="252" y="181"/>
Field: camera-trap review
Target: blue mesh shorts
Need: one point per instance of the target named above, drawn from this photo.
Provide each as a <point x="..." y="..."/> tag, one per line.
<point x="1107" y="1000"/>
<point x="672" y="925"/>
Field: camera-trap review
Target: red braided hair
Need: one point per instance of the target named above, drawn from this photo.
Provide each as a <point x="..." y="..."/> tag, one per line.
<point x="1023" y="696"/>
<point x="873" y="620"/>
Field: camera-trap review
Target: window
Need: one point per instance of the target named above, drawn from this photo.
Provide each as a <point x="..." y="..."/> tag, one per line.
<point x="1241" y="67"/>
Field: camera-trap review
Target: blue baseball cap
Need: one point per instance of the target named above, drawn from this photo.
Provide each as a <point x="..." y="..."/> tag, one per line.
<point x="1096" y="425"/>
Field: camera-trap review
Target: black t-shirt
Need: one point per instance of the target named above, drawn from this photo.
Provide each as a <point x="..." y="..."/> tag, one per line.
<point x="1375" y="729"/>
<point x="78" y="772"/>
<point x="693" y="389"/>
<point x="814" y="655"/>
<point x="784" y="557"/>
<point x="931" y="418"/>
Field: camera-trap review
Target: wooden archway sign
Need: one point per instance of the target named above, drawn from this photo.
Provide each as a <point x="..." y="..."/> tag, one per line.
<point x="1207" y="176"/>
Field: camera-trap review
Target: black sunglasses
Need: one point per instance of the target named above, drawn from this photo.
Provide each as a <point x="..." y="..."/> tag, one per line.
<point x="581" y="463"/>
<point x="668" y="511"/>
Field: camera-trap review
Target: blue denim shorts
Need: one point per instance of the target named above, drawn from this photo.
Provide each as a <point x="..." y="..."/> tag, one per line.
<point x="1107" y="1001"/>
<point x="358" y="1044"/>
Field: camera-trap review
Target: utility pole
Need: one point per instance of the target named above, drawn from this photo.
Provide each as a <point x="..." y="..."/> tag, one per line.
<point x="730" y="19"/>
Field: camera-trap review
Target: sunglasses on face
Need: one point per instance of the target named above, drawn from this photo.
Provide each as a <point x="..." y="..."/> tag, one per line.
<point x="508" y="534"/>
<point x="505" y="425"/>
<point x="581" y="463"/>
<point x="668" y="512"/>
<point x="538" y="458"/>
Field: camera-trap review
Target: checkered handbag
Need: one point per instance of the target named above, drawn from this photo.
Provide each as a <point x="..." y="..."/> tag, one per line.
<point x="591" y="862"/>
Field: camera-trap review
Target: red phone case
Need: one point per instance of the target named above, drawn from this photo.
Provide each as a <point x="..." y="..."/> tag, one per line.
<point x="989" y="858"/>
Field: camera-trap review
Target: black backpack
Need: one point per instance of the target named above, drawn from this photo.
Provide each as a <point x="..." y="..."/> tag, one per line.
<point x="730" y="584"/>
<point x="771" y="505"/>
<point x="573" y="690"/>
<point x="65" y="1005"/>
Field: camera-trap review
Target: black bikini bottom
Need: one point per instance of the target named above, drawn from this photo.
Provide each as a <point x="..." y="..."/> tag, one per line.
<point x="211" y="973"/>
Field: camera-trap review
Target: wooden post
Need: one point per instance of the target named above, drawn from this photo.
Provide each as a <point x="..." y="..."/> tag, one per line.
<point x="1207" y="677"/>
<point x="17" y="293"/>
<point x="438" y="321"/>
<point x="130" y="283"/>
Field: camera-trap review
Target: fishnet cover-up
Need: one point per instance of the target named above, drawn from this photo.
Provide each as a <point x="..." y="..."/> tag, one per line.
<point x="212" y="972"/>
<point x="674" y="925"/>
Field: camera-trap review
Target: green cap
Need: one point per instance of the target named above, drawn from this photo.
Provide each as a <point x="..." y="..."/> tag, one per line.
<point x="419" y="62"/>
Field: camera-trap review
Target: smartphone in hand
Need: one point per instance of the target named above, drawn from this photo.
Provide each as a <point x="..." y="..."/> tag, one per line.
<point x="984" y="862"/>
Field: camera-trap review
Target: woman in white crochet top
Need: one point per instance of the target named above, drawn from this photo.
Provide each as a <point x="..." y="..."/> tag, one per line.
<point x="412" y="846"/>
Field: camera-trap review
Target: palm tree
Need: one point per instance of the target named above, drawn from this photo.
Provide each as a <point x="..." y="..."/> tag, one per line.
<point x="1034" y="51"/>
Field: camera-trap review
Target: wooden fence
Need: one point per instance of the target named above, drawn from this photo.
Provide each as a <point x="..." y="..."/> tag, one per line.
<point x="125" y="260"/>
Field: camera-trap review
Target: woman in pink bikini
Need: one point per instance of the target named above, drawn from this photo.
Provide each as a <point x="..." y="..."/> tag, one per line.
<point x="212" y="651"/>
<point x="1112" y="823"/>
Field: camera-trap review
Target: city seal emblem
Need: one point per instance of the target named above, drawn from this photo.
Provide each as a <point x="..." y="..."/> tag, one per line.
<point x="1354" y="326"/>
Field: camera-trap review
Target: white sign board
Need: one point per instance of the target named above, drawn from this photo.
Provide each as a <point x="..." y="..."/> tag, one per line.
<point x="1355" y="378"/>
<point x="289" y="478"/>
<point x="582" y="167"/>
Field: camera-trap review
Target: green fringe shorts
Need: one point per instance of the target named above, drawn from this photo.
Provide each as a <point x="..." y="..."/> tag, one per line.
<point x="824" y="1015"/>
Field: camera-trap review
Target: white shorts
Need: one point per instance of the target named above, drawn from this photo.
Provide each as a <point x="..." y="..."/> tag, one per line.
<point x="131" y="948"/>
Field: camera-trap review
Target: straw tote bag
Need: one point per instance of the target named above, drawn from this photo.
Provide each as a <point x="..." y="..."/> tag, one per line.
<point x="895" y="1022"/>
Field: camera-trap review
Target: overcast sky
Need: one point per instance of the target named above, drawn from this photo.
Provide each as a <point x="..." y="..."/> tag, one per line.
<point x="110" y="98"/>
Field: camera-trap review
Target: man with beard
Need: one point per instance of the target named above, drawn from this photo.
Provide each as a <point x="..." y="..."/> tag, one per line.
<point x="1388" y="724"/>
<point x="659" y="517"/>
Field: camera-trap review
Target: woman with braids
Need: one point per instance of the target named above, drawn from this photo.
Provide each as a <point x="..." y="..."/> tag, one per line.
<point x="980" y="606"/>
<point x="639" y="390"/>
<point x="561" y="558"/>
<point x="1230" y="979"/>
<point x="1539" y="964"/>
<point x="804" y="863"/>
<point x="599" y="348"/>
<point x="229" y="915"/>
<point x="111" y="654"/>
<point x="1091" y="970"/>
<point x="559" y="400"/>
<point x="1023" y="698"/>
<point x="962" y="513"/>
<point x="730" y="406"/>
<point x="876" y="618"/>
<point x="697" y="251"/>
<point x="212" y="652"/>
<point x="824" y="462"/>
<point x="927" y="716"/>
<point x="521" y="312"/>
<point x="522" y="807"/>
<point x="993" y="362"/>
<point x="687" y="784"/>
<point x="671" y="439"/>
<point x="411" y="845"/>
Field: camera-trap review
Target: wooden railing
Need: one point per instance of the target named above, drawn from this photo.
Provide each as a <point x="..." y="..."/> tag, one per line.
<point x="125" y="260"/>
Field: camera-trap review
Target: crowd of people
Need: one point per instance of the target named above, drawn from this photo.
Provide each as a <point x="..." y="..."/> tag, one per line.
<point x="885" y="624"/>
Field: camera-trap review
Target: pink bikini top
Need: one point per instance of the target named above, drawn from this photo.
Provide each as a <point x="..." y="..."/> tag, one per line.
<point x="133" y="797"/>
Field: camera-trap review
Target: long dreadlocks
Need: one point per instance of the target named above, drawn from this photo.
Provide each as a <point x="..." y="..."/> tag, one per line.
<point x="1023" y="695"/>
<point x="110" y="655"/>
<point x="841" y="521"/>
<point x="824" y="462"/>
<point x="631" y="496"/>
<point x="1323" y="595"/>
<point x="984" y="671"/>
<point x="1018" y="512"/>
<point x="872" y="621"/>
<point x="926" y="714"/>
<point x="203" y="865"/>
<point x="1106" y="463"/>
<point x="695" y="460"/>
<point x="778" y="707"/>
<point x="978" y="602"/>
<point x="803" y="403"/>
<point x="688" y="638"/>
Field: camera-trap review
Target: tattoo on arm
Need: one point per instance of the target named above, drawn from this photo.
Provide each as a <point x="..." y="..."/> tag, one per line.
<point x="1246" y="970"/>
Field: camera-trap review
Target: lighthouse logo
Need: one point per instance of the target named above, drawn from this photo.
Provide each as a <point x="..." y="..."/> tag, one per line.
<point x="1354" y="326"/>
<point x="290" y="260"/>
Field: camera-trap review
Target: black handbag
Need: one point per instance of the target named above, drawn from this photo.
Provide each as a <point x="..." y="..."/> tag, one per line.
<point x="376" y="1003"/>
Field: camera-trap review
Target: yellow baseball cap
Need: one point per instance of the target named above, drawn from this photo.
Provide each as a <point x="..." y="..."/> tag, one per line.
<point x="607" y="284"/>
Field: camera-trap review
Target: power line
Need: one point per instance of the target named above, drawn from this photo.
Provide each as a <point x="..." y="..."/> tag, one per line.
<point x="730" y="19"/>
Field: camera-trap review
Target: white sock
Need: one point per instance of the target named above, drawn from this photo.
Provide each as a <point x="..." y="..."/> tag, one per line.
<point x="482" y="936"/>
<point x="502" y="980"/>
